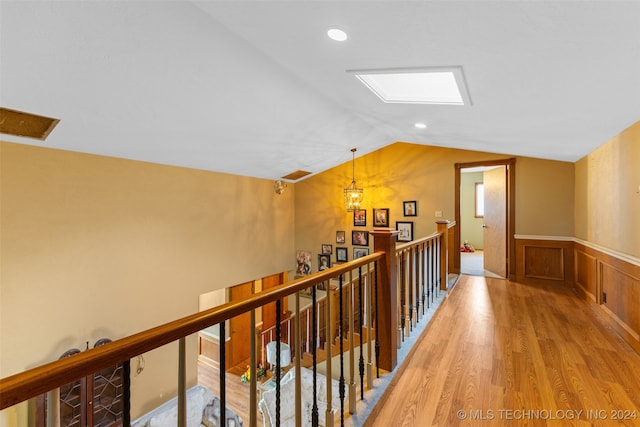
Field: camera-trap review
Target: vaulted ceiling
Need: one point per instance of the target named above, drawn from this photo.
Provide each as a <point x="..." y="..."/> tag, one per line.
<point x="257" y="88"/>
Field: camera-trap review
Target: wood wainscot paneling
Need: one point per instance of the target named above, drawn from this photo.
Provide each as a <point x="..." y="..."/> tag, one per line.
<point x="209" y="350"/>
<point x="614" y="284"/>
<point x="544" y="261"/>
<point x="586" y="270"/>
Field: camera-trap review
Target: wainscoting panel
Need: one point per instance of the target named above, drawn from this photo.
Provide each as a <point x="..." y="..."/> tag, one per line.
<point x="586" y="269"/>
<point x="613" y="283"/>
<point x="209" y="350"/>
<point x="544" y="261"/>
<point x="621" y="296"/>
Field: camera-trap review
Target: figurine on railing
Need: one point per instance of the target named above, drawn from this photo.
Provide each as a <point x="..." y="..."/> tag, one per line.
<point x="261" y="372"/>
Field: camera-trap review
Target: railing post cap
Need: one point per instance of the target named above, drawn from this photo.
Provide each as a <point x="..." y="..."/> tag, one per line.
<point x="381" y="232"/>
<point x="443" y="221"/>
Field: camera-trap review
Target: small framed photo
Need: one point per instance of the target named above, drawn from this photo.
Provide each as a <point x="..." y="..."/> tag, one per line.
<point x="327" y="248"/>
<point x="303" y="263"/>
<point x="359" y="238"/>
<point x="380" y="217"/>
<point x="360" y="252"/>
<point x="340" y="236"/>
<point x="341" y="255"/>
<point x="360" y="218"/>
<point x="324" y="261"/>
<point x="410" y="208"/>
<point x="405" y="231"/>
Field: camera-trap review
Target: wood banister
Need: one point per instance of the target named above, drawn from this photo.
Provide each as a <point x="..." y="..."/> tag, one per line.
<point x="443" y="228"/>
<point x="26" y="385"/>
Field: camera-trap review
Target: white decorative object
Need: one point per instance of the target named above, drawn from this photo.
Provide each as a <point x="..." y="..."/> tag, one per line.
<point x="285" y="354"/>
<point x="267" y="404"/>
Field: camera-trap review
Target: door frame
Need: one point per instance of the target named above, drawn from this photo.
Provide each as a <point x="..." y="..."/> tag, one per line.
<point x="510" y="164"/>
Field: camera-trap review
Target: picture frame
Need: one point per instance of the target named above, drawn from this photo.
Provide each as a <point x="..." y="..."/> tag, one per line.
<point x="380" y="217"/>
<point x="360" y="218"/>
<point x="410" y="208"/>
<point x="405" y="231"/>
<point x="327" y="248"/>
<point x="303" y="263"/>
<point x="324" y="262"/>
<point x="340" y="236"/>
<point x="360" y="252"/>
<point x="341" y="255"/>
<point x="359" y="238"/>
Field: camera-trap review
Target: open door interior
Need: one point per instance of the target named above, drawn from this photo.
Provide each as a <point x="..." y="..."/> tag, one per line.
<point x="495" y="221"/>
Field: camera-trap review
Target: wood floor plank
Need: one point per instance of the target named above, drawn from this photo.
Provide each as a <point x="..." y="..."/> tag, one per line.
<point x="501" y="353"/>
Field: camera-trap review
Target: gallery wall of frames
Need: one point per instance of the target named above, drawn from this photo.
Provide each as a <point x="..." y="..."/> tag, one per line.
<point x="358" y="237"/>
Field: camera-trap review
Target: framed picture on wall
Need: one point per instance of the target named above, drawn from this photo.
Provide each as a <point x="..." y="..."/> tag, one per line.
<point x="410" y="208"/>
<point x="341" y="255"/>
<point x="303" y="263"/>
<point x="405" y="231"/>
<point x="340" y="236"/>
<point x="359" y="238"/>
<point x="360" y="252"/>
<point x="327" y="248"/>
<point x="360" y="218"/>
<point x="324" y="261"/>
<point x="380" y="217"/>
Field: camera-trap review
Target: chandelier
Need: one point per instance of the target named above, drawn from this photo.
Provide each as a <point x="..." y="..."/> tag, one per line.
<point x="353" y="194"/>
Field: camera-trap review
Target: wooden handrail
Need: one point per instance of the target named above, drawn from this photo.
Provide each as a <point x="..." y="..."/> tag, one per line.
<point x="28" y="384"/>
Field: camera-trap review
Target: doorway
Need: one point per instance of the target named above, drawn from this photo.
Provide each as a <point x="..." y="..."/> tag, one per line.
<point x="485" y="218"/>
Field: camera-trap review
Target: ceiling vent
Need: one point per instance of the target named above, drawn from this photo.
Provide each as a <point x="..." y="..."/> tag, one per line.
<point x="18" y="123"/>
<point x="293" y="176"/>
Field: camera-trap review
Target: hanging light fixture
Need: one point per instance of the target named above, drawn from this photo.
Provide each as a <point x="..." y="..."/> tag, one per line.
<point x="353" y="194"/>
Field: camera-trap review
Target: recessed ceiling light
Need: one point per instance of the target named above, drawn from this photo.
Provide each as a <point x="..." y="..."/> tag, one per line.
<point x="337" y="35"/>
<point x="420" y="125"/>
<point x="437" y="85"/>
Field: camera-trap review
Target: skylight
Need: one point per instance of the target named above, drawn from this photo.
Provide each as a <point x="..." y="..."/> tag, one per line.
<point x="443" y="86"/>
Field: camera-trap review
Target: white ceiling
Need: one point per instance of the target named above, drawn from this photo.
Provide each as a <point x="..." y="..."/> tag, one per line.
<point x="256" y="88"/>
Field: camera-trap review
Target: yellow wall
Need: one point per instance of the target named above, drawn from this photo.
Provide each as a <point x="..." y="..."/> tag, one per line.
<point x="94" y="247"/>
<point x="402" y="171"/>
<point x="607" y="200"/>
<point x="470" y="226"/>
<point x="544" y="203"/>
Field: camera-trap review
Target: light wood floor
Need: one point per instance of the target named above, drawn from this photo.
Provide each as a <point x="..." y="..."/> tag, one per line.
<point x="498" y="353"/>
<point x="237" y="391"/>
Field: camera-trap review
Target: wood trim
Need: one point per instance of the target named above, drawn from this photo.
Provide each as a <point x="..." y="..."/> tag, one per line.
<point x="599" y="273"/>
<point x="585" y="273"/>
<point x="510" y="163"/>
<point x="592" y="272"/>
<point x="545" y="261"/>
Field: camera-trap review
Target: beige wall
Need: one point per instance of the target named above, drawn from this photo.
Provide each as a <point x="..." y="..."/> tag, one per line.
<point x="607" y="200"/>
<point x="94" y="247"/>
<point x="402" y="171"/>
<point x="470" y="226"/>
<point x="544" y="203"/>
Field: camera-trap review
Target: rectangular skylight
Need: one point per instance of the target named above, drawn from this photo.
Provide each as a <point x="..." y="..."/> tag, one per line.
<point x="444" y="86"/>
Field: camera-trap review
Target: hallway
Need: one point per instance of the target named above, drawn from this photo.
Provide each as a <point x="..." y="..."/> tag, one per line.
<point x="501" y="353"/>
<point x="472" y="264"/>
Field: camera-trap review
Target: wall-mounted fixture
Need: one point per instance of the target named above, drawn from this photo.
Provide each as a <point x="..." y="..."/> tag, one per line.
<point x="279" y="186"/>
<point x="353" y="194"/>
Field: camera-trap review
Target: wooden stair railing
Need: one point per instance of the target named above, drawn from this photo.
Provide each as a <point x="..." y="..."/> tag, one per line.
<point x="29" y="384"/>
<point x="371" y="281"/>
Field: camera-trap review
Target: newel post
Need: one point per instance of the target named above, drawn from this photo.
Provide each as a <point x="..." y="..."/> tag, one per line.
<point x="444" y="253"/>
<point x="385" y="240"/>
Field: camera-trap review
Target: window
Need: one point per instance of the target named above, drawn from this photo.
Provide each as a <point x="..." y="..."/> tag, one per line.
<point x="479" y="196"/>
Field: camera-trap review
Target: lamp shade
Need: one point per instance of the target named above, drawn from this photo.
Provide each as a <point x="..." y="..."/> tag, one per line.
<point x="285" y="354"/>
